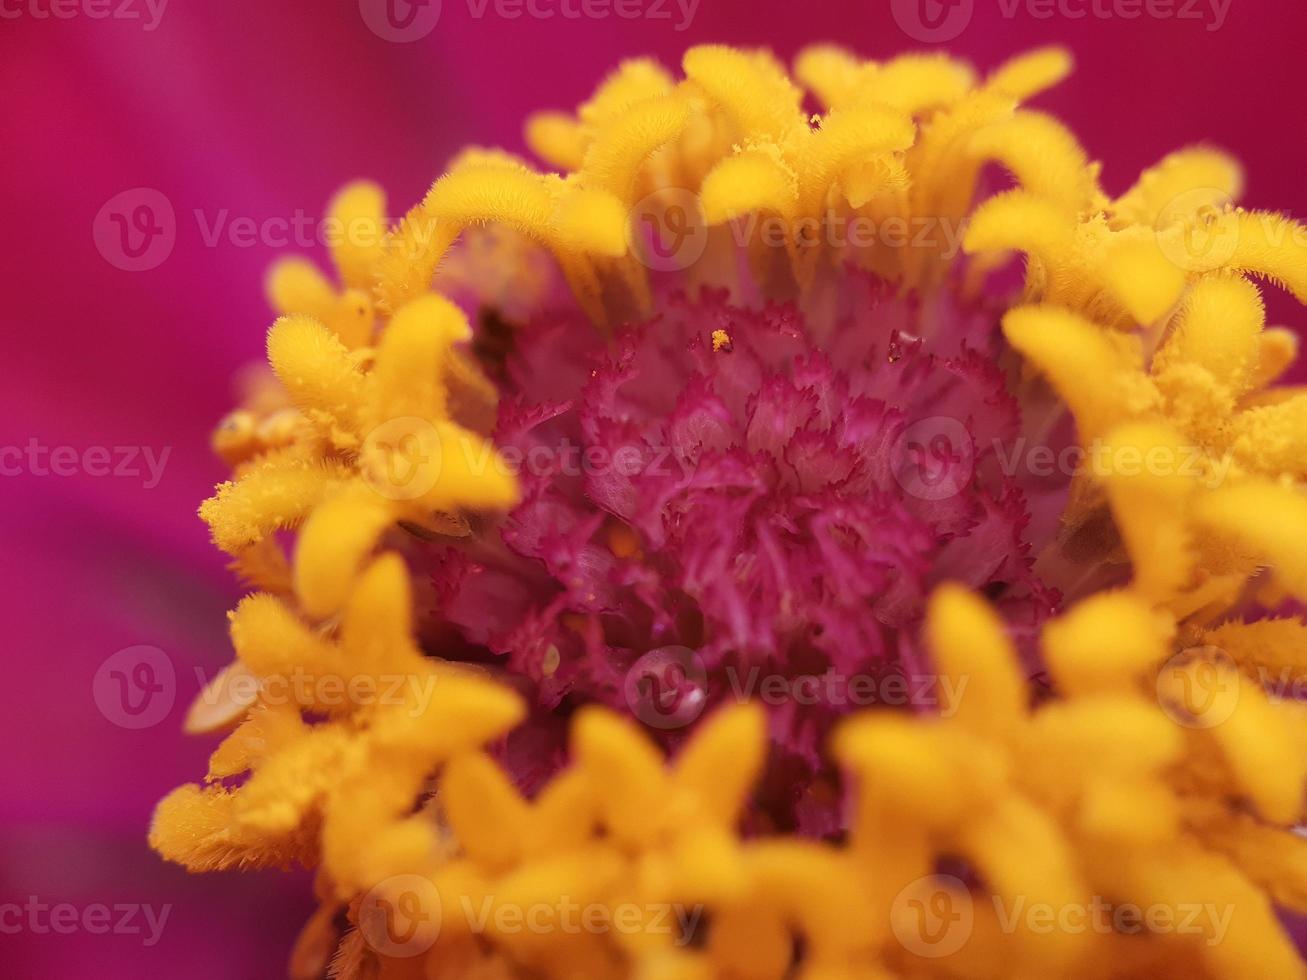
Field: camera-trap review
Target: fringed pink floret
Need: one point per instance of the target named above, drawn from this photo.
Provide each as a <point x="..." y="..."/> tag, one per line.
<point x="721" y="481"/>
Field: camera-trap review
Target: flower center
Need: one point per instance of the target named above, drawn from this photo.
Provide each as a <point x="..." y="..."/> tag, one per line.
<point x="719" y="506"/>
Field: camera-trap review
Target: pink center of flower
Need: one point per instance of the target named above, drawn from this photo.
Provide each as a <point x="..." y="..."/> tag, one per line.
<point x="719" y="504"/>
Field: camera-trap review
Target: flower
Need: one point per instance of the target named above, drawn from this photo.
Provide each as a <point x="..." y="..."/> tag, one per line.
<point x="535" y="556"/>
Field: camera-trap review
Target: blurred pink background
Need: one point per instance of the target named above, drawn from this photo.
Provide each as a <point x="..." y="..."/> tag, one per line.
<point x="248" y="109"/>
